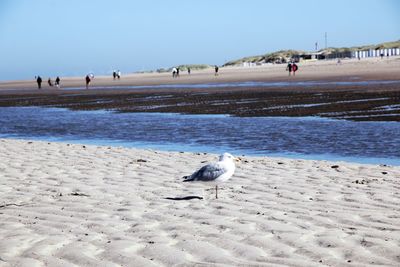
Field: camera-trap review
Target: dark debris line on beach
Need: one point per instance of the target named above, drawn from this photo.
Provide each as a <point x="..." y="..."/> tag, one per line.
<point x="365" y="103"/>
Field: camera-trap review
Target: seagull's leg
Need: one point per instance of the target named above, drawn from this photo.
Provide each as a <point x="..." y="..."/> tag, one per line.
<point x="216" y="191"/>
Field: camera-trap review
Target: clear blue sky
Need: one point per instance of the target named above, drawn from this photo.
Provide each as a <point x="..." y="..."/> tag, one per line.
<point x="74" y="37"/>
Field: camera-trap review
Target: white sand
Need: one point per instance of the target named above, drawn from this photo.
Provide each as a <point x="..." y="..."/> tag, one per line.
<point x="69" y="205"/>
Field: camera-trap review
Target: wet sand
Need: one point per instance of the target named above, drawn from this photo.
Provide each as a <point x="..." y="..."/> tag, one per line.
<point x="352" y="100"/>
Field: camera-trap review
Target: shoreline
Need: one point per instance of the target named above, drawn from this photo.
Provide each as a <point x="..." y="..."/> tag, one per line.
<point x="67" y="204"/>
<point x="174" y="148"/>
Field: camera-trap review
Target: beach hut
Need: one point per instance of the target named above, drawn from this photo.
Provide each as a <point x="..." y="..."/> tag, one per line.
<point x="377" y="52"/>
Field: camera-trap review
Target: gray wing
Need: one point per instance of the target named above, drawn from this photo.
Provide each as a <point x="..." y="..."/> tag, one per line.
<point x="207" y="173"/>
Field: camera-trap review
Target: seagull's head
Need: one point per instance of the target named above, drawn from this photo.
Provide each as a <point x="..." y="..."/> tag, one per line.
<point x="226" y="156"/>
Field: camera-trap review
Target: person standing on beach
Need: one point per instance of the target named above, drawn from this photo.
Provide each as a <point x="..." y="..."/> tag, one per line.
<point x="189" y="71"/>
<point x="119" y="74"/>
<point x="289" y="68"/>
<point x="294" y="68"/>
<point x="173" y="72"/>
<point x="177" y="72"/>
<point x="114" y="74"/>
<point x="87" y="79"/>
<point x="50" y="82"/>
<point x="39" y="82"/>
<point x="216" y="70"/>
<point x="58" y="82"/>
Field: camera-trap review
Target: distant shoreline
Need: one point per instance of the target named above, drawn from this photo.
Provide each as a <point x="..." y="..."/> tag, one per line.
<point x="322" y="70"/>
<point x="366" y="90"/>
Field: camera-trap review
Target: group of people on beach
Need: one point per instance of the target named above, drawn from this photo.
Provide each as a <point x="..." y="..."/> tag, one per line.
<point x="56" y="82"/>
<point x="176" y="71"/>
<point x="116" y="74"/>
<point x="39" y="81"/>
<point x="89" y="77"/>
<point x="292" y="67"/>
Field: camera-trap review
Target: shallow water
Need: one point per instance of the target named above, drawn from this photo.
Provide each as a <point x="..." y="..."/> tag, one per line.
<point x="310" y="137"/>
<point x="240" y="84"/>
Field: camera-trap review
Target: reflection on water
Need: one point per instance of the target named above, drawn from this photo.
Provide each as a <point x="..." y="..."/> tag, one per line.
<point x="314" y="138"/>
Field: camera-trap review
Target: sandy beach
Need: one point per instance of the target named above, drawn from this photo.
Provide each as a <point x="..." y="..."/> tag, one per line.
<point x="348" y="69"/>
<point x="79" y="205"/>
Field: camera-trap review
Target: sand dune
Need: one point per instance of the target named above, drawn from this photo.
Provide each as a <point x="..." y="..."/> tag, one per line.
<point x="75" y="205"/>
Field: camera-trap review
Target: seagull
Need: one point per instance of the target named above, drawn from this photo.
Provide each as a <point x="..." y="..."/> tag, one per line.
<point x="216" y="172"/>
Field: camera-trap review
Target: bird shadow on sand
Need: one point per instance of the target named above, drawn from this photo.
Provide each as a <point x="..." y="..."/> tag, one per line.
<point x="183" y="198"/>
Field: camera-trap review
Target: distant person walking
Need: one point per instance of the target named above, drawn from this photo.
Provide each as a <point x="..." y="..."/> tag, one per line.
<point x="189" y="71"/>
<point x="177" y="72"/>
<point x="39" y="82"/>
<point x="50" y="82"/>
<point x="58" y="82"/>
<point x="114" y="74"/>
<point x="294" y="68"/>
<point x="118" y="74"/>
<point x="216" y="69"/>
<point x="87" y="79"/>
<point x="173" y="72"/>
<point x="289" y="68"/>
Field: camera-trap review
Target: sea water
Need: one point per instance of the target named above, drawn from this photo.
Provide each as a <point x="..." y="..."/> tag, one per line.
<point x="295" y="137"/>
<point x="240" y="84"/>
